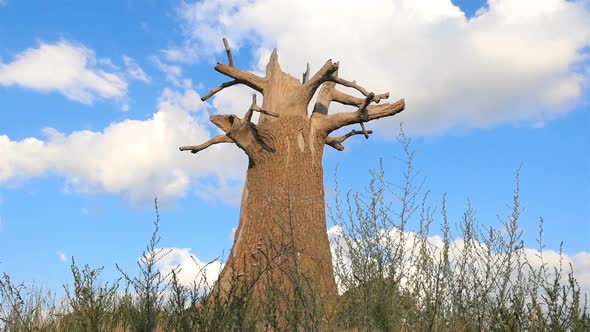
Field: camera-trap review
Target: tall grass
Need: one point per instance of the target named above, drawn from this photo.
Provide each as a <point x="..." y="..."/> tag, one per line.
<point x="392" y="272"/>
<point x="396" y="277"/>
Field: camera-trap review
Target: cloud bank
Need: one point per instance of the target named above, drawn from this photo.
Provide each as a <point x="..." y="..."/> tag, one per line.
<point x="136" y="158"/>
<point x="516" y="60"/>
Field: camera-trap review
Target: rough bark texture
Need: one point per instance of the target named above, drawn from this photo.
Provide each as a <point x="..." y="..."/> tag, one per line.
<point x="283" y="199"/>
<point x="282" y="216"/>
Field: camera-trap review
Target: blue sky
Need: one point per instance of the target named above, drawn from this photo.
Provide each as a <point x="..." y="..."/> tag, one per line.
<point x="96" y="98"/>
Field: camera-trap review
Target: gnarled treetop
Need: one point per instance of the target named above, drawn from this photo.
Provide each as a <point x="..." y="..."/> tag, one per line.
<point x="286" y="96"/>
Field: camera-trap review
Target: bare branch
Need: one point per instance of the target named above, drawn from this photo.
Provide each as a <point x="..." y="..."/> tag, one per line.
<point x="323" y="74"/>
<point x="364" y="130"/>
<point x="215" y="140"/>
<point x="363" y="111"/>
<point x="363" y="108"/>
<point x="242" y="131"/>
<point x="352" y="84"/>
<point x="255" y="82"/>
<point x="336" y="142"/>
<point x="239" y="77"/>
<point x="329" y="123"/>
<point x="329" y="93"/>
<point x="228" y="51"/>
<point x="219" y="88"/>
<point x="258" y="109"/>
<point x="344" y="98"/>
<point x="380" y="96"/>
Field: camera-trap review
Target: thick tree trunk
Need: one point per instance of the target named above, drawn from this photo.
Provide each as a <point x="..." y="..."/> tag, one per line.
<point x="282" y="227"/>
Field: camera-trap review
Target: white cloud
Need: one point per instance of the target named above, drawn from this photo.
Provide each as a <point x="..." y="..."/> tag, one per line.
<point x="137" y="158"/>
<point x="192" y="269"/>
<point x="63" y="67"/>
<point x="61" y="256"/>
<point x="580" y="261"/>
<point x="517" y="60"/>
<point x="172" y="72"/>
<point x="134" y="70"/>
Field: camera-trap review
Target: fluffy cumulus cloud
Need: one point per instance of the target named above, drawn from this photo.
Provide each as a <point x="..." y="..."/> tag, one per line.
<point x="137" y="158"/>
<point x="516" y="60"/>
<point x="190" y="268"/>
<point x="67" y="68"/>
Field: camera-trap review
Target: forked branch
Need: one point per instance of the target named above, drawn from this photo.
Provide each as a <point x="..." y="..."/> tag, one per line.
<point x="309" y="87"/>
<point x="347" y="99"/>
<point x="239" y="77"/>
<point x="329" y="93"/>
<point x="329" y="123"/>
<point x="352" y="84"/>
<point x="336" y="142"/>
<point x="255" y="82"/>
<point x="240" y="131"/>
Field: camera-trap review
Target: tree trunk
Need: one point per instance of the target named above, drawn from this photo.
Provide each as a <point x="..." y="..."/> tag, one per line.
<point x="282" y="223"/>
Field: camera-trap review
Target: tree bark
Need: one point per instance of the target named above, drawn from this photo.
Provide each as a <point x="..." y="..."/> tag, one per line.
<point x="282" y="222"/>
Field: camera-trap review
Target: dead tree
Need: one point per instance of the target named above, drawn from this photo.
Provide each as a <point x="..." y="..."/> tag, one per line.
<point x="283" y="196"/>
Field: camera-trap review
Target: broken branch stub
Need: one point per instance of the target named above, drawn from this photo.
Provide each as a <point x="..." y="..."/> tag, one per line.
<point x="336" y="142"/>
<point x="305" y="75"/>
<point x="230" y="58"/>
<point x="254" y="107"/>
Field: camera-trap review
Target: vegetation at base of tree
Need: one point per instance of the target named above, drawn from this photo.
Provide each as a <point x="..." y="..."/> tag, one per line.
<point x="392" y="273"/>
